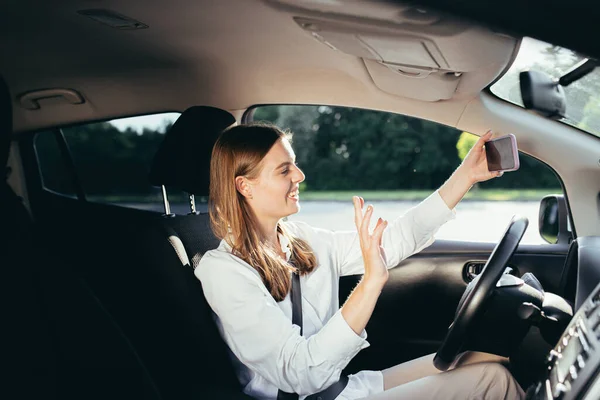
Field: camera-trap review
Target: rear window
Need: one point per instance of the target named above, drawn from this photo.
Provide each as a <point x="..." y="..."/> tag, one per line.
<point x="111" y="160"/>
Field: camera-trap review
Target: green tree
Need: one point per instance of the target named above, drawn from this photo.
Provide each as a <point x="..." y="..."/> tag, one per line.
<point x="266" y="113"/>
<point x="342" y="148"/>
<point x="591" y="116"/>
<point x="465" y="142"/>
<point x="301" y="122"/>
<point x="363" y="149"/>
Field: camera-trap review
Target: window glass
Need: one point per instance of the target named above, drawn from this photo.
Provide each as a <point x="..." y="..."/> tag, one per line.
<point x="395" y="161"/>
<point x="113" y="159"/>
<point x="582" y="96"/>
<point x="53" y="168"/>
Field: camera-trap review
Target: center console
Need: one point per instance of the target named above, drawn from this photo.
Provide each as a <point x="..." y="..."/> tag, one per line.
<point x="574" y="363"/>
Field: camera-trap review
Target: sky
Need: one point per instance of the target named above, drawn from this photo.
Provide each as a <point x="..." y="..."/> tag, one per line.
<point x="153" y="122"/>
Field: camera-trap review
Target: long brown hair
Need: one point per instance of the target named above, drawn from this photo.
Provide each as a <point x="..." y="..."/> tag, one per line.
<point x="239" y="151"/>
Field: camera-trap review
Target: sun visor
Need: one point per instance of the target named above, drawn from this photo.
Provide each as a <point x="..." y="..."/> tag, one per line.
<point x="405" y="50"/>
<point x="415" y="83"/>
<point x="423" y="61"/>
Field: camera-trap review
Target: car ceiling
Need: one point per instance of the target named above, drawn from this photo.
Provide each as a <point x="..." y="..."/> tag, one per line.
<point x="568" y="24"/>
<point x="229" y="54"/>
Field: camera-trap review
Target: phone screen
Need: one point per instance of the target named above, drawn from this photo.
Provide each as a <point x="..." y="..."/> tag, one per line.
<point x="500" y="154"/>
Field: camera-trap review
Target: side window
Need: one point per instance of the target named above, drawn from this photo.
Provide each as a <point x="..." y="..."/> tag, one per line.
<point x="111" y="160"/>
<point x="394" y="162"/>
<point x="55" y="175"/>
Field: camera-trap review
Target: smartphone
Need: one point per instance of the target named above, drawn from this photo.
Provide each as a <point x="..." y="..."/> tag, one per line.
<point x="502" y="153"/>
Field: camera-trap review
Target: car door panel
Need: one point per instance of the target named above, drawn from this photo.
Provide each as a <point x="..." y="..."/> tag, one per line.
<point x="418" y="303"/>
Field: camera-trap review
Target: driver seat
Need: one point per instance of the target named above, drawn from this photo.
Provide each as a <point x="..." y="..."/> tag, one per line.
<point x="168" y="319"/>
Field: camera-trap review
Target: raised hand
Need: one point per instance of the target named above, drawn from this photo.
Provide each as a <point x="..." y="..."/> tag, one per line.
<point x="370" y="244"/>
<point x="475" y="163"/>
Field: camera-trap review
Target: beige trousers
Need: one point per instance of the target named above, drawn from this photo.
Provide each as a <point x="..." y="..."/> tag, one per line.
<point x="477" y="376"/>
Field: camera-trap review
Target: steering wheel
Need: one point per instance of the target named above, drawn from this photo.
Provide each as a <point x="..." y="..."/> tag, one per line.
<point x="474" y="301"/>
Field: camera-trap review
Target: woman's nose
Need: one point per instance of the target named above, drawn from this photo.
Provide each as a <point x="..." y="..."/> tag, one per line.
<point x="299" y="175"/>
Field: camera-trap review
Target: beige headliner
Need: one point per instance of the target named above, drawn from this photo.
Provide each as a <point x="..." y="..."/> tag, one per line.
<point x="226" y="53"/>
<point x="236" y="53"/>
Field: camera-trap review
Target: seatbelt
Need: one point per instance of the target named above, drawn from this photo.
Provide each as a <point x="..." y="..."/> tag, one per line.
<point x="332" y="391"/>
<point x="296" y="298"/>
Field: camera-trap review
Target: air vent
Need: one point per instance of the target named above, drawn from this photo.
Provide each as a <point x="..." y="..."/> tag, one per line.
<point x="112" y="19"/>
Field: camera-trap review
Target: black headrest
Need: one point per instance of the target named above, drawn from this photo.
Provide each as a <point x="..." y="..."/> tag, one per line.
<point x="183" y="159"/>
<point x="5" y="123"/>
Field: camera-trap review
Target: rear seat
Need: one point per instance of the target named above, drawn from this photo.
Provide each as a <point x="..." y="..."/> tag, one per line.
<point x="58" y="340"/>
<point x="27" y="352"/>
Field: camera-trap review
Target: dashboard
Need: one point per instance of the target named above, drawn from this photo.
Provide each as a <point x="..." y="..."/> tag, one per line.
<point x="573" y="365"/>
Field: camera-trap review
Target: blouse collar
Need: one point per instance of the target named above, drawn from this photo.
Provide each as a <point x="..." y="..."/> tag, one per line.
<point x="285" y="246"/>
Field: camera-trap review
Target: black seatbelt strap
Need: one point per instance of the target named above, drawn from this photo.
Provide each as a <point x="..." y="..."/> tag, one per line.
<point x="296" y="298"/>
<point x="332" y="391"/>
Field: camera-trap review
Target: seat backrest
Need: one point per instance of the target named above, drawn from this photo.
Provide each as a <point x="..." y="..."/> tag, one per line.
<point x="169" y="320"/>
<point x="58" y="341"/>
<point x="155" y="297"/>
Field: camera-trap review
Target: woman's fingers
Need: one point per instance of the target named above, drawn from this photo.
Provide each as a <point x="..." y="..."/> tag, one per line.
<point x="482" y="139"/>
<point x="485" y="137"/>
<point x="357" y="212"/>
<point x="378" y="232"/>
<point x="379" y="222"/>
<point x="364" y="228"/>
<point x="362" y="222"/>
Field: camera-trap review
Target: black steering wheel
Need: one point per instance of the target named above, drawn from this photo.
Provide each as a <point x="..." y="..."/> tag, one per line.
<point x="474" y="300"/>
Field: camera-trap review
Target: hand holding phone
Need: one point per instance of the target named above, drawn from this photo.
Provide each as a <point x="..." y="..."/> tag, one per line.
<point x="502" y="153"/>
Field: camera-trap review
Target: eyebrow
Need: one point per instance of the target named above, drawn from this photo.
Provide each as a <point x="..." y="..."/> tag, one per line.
<point x="283" y="164"/>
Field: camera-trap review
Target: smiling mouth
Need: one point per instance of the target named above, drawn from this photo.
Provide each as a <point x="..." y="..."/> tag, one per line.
<point x="295" y="194"/>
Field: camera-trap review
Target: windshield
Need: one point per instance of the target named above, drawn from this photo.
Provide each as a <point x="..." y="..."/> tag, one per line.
<point x="583" y="96"/>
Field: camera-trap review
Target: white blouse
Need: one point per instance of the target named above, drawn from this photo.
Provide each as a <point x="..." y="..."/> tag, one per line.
<point x="267" y="349"/>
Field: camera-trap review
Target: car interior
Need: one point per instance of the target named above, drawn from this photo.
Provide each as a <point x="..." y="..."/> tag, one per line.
<point x="101" y="301"/>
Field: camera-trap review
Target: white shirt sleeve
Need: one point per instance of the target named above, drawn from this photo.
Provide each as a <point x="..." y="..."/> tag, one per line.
<point x="405" y="236"/>
<point x="264" y="339"/>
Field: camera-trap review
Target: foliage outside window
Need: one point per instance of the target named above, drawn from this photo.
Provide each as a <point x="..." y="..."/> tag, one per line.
<point x="112" y="160"/>
<point x="343" y="149"/>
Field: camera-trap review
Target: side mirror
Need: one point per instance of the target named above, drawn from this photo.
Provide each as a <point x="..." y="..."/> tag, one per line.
<point x="543" y="94"/>
<point x="553" y="220"/>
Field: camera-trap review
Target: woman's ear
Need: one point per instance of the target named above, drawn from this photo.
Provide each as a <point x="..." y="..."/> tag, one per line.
<point x="243" y="186"/>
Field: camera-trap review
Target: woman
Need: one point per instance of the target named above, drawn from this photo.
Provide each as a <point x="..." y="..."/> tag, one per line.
<point x="254" y="184"/>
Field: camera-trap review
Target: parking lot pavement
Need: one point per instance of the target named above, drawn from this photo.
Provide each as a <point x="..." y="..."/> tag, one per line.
<point x="477" y="221"/>
<point x="480" y="221"/>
